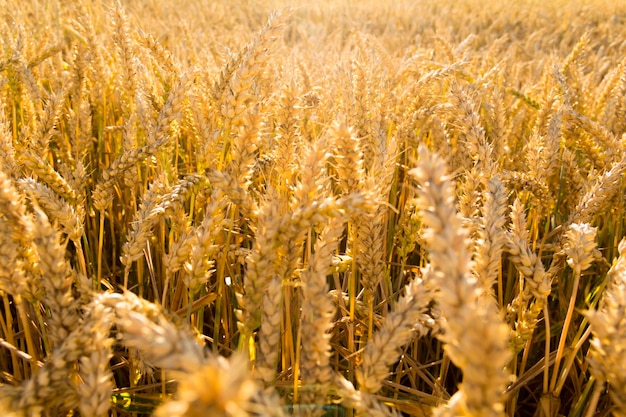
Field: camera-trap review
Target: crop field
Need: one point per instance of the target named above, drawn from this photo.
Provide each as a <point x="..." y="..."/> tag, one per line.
<point x="312" y="208"/>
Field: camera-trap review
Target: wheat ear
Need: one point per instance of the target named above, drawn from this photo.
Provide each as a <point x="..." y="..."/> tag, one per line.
<point x="397" y="329"/>
<point x="475" y="337"/>
<point x="608" y="345"/>
<point x="316" y="318"/>
<point x="364" y="404"/>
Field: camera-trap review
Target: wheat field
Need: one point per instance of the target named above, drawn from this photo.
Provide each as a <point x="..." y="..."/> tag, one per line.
<point x="331" y="208"/>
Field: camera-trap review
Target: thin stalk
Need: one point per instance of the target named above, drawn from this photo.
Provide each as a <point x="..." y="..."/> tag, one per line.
<point x="592" y="405"/>
<point x="9" y="335"/>
<point x="42" y="326"/>
<point x="500" y="289"/>
<point x="100" y="245"/>
<point x="30" y="344"/>
<point x="296" y="365"/>
<point x="139" y="274"/>
<point x="566" y="324"/>
<point x="221" y="284"/>
<point x="166" y="284"/>
<point x="81" y="257"/>
<point x="298" y="347"/>
<point x="352" y="278"/>
<point x="546" y="367"/>
<point x="512" y="403"/>
<point x="441" y="380"/>
<point x="370" y="316"/>
<point x="288" y="355"/>
<point x="569" y="360"/>
<point x="352" y="281"/>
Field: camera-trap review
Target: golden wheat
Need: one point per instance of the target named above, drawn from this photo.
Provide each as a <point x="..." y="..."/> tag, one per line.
<point x="330" y="208"/>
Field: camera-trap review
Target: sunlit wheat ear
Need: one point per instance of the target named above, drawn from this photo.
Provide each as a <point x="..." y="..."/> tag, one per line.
<point x="172" y="347"/>
<point x="526" y="261"/>
<point x="245" y="148"/>
<point x="220" y="387"/>
<point x="371" y="227"/>
<point x="608" y="345"/>
<point x="289" y="236"/>
<point x="260" y="268"/>
<point x="408" y="232"/>
<point x="208" y="385"/>
<point x="316" y="318"/>
<point x="13" y="280"/>
<point x="363" y="403"/>
<point x="158" y="138"/>
<point x="17" y="254"/>
<point x="475" y="337"/>
<point x="371" y="232"/>
<point x="145" y="218"/>
<point x="48" y="175"/>
<point x="198" y="266"/>
<point x="580" y="246"/>
<point x="288" y="136"/>
<point x="69" y="218"/>
<point x="491" y="238"/>
<point x="597" y="198"/>
<point x="57" y="277"/>
<point x="610" y="146"/>
<point x="96" y="378"/>
<point x="238" y="96"/>
<point x="537" y="283"/>
<point x="480" y="150"/>
<point x="269" y="333"/>
<point x="160" y="53"/>
<point x="275" y="233"/>
<point x="158" y="202"/>
<point x="75" y="374"/>
<point x="542" y="152"/>
<point x="125" y="52"/>
<point x="8" y="161"/>
<point x="238" y="195"/>
<point x="397" y="329"/>
<point x="348" y="157"/>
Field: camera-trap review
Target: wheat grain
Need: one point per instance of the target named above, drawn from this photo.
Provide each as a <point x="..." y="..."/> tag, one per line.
<point x="480" y="349"/>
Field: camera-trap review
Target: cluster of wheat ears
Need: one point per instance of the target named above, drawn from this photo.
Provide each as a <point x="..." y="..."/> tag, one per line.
<point x="368" y="208"/>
